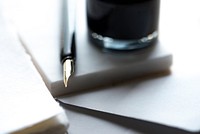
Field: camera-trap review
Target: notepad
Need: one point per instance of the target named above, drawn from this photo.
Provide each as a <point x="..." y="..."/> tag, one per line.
<point x="26" y="105"/>
<point x="39" y="30"/>
<point x="171" y="100"/>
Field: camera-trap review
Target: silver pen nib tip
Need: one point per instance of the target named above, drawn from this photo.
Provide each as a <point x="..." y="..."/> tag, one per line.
<point x="65" y="81"/>
<point x="67" y="69"/>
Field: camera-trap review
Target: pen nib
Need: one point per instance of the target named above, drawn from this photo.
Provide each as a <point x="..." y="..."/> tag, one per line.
<point x="66" y="71"/>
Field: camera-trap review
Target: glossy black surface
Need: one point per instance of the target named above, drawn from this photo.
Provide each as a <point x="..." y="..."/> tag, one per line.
<point x="123" y="19"/>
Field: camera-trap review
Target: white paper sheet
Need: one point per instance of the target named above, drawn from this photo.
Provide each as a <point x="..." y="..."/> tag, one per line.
<point x="26" y="105"/>
<point x="82" y="120"/>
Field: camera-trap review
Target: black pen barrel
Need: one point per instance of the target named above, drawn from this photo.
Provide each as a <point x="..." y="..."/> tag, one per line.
<point x="67" y="30"/>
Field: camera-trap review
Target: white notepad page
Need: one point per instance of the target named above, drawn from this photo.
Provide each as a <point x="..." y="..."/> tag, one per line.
<point x="26" y="106"/>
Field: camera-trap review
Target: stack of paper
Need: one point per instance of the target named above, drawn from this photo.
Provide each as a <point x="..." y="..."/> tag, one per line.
<point x="25" y="102"/>
<point x="40" y="33"/>
<point x="166" y="103"/>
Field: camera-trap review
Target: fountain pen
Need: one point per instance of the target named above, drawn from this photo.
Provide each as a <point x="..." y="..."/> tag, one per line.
<point x="68" y="39"/>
